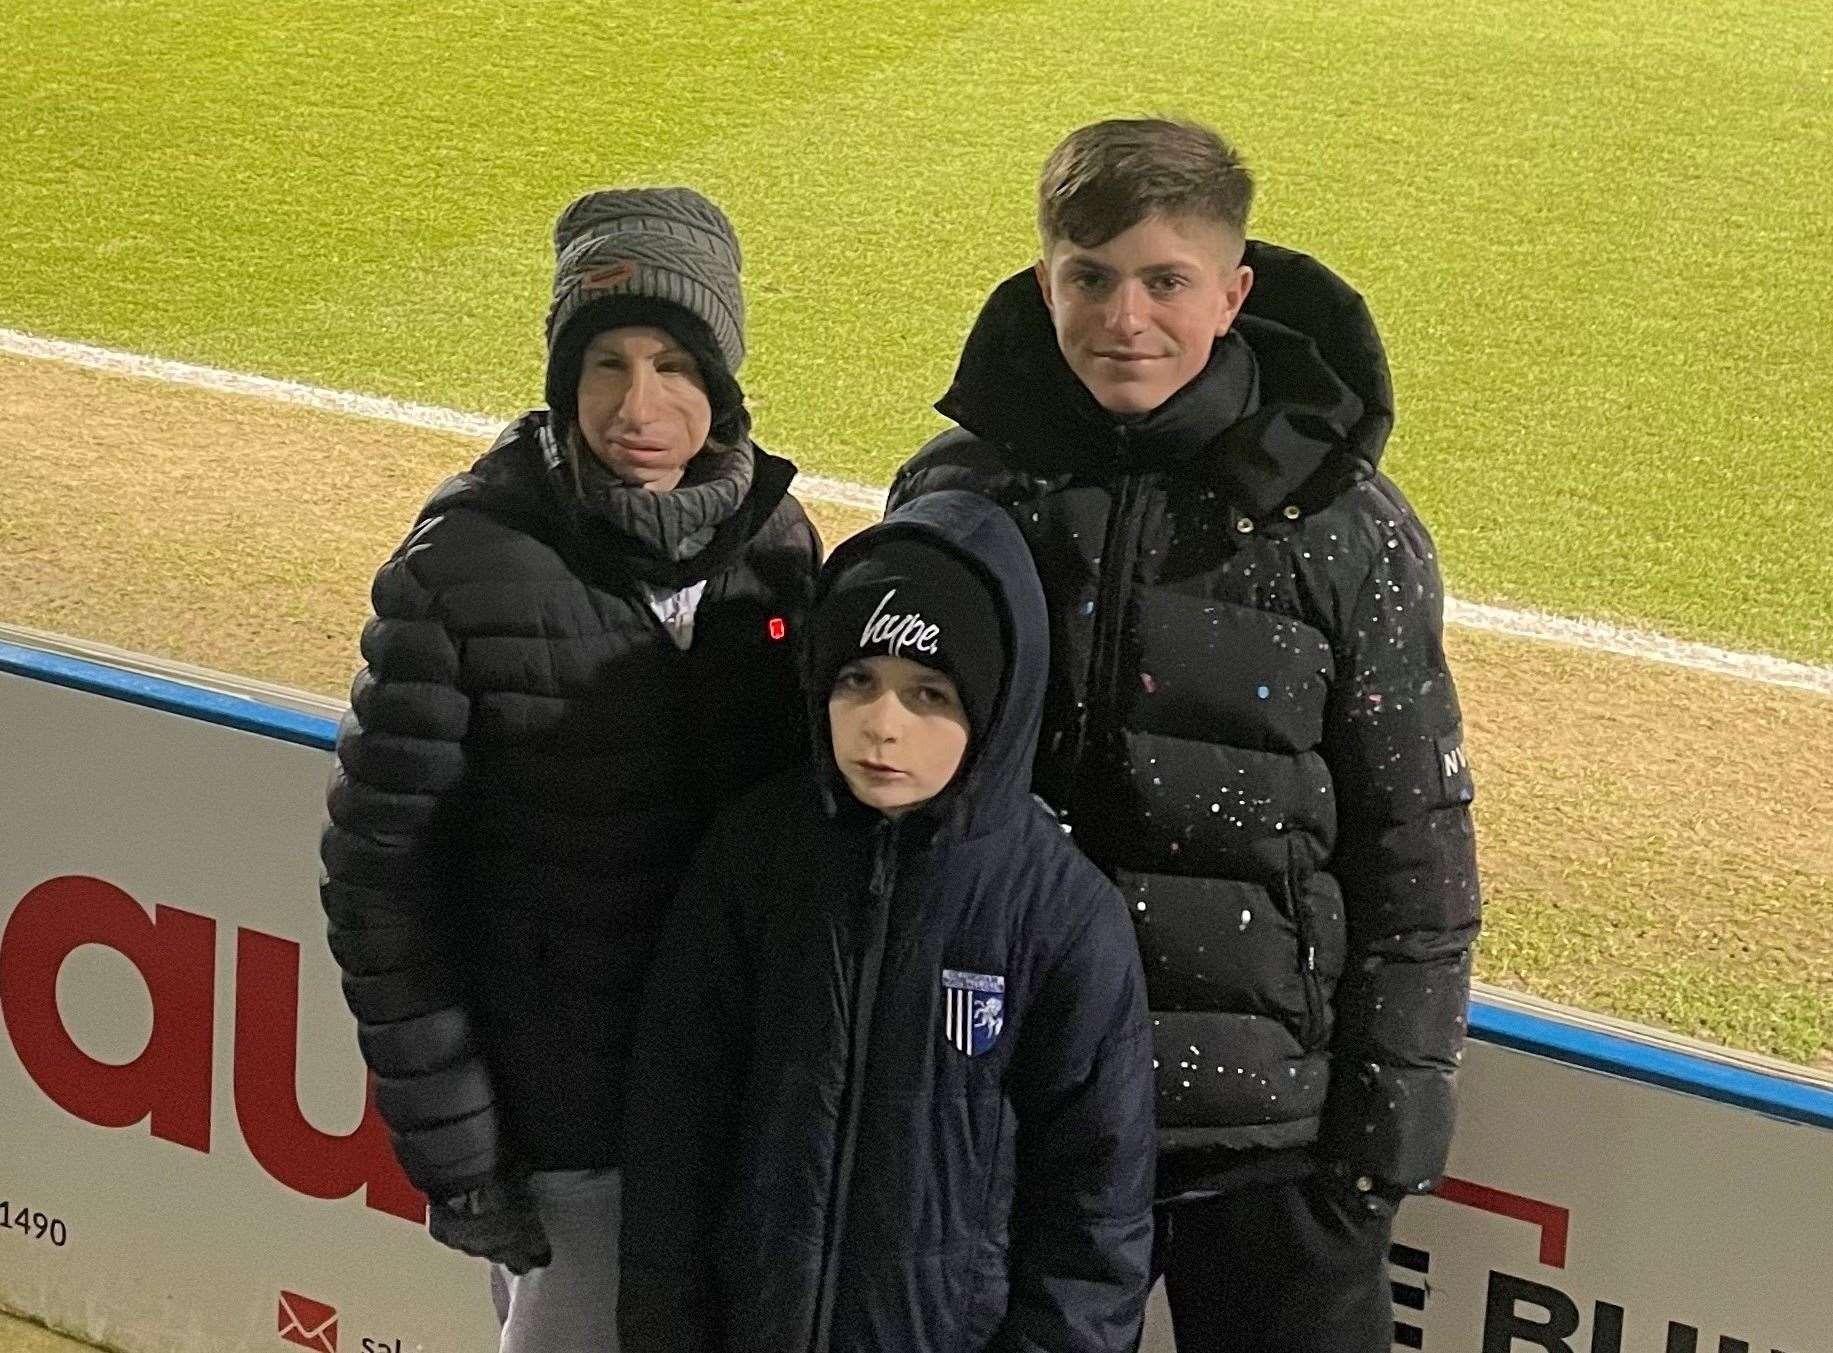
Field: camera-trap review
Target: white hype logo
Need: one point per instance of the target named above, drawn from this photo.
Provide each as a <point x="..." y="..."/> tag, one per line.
<point x="899" y="631"/>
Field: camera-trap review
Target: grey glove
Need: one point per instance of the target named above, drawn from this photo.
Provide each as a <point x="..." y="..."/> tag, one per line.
<point x="496" y="1221"/>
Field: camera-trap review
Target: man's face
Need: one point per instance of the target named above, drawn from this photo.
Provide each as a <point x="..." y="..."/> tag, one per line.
<point x="899" y="731"/>
<point x="1136" y="317"/>
<point x="643" y="407"/>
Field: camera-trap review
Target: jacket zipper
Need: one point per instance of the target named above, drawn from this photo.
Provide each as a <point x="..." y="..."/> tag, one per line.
<point x="862" y="997"/>
<point x="1119" y="549"/>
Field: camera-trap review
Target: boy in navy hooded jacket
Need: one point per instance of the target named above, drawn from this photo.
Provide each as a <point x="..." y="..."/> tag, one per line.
<point x="892" y="1089"/>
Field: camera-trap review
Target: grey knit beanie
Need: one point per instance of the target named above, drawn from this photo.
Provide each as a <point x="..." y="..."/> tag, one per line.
<point x="667" y="244"/>
<point x="648" y="256"/>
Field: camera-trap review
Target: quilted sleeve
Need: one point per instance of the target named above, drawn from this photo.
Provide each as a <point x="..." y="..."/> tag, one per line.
<point x="384" y="886"/>
<point x="1406" y="858"/>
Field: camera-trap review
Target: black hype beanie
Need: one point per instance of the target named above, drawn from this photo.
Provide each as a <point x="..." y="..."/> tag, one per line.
<point x="910" y="599"/>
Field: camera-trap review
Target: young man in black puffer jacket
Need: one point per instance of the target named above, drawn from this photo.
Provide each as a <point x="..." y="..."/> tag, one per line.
<point x="582" y="650"/>
<point x="893" y="1085"/>
<point x="1250" y="724"/>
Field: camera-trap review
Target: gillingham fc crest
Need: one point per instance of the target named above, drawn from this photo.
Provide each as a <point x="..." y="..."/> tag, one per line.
<point x="973" y="1009"/>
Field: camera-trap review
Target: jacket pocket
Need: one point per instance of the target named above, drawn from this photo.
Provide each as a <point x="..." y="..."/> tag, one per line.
<point x="987" y="1289"/>
<point x="1305" y="924"/>
<point x="989" y="1294"/>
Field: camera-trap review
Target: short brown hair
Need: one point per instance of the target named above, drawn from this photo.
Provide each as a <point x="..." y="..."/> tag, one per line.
<point x="1107" y="177"/>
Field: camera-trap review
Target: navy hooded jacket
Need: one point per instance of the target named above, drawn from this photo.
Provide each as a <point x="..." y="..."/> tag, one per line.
<point x="817" y="1154"/>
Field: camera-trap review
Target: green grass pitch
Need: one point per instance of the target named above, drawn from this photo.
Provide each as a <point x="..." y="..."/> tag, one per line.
<point x="1595" y="231"/>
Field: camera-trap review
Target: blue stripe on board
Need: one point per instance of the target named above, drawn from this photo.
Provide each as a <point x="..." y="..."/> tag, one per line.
<point x="173" y="697"/>
<point x="1560" y="1040"/>
<point x="1671" y="1068"/>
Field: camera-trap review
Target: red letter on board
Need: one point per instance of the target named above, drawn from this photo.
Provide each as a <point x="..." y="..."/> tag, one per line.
<point x="175" y="954"/>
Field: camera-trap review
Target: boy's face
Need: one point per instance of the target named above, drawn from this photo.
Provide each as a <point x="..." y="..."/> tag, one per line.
<point x="1137" y="316"/>
<point x="643" y="406"/>
<point x="899" y="732"/>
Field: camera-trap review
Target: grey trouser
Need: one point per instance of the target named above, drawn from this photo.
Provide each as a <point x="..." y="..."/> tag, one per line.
<point x="571" y="1305"/>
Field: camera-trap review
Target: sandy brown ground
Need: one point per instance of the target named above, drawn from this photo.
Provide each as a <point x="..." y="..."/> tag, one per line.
<point x="21" y="1336"/>
<point x="1655" y="841"/>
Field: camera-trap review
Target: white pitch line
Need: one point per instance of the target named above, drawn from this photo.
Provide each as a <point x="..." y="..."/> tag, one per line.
<point x="429" y="416"/>
<point x="1603" y="637"/>
<point x="1589" y="634"/>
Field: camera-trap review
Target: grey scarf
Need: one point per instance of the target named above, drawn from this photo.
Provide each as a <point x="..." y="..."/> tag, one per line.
<point x="673" y="526"/>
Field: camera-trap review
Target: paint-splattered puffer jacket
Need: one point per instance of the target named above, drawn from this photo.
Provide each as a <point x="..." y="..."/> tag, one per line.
<point x="1250" y="723"/>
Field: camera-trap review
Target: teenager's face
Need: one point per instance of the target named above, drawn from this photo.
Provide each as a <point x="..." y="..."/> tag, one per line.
<point x="643" y="407"/>
<point x="899" y="732"/>
<point x="1137" y="316"/>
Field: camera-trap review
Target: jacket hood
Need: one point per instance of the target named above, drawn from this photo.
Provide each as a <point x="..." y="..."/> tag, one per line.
<point x="518" y="480"/>
<point x="1318" y="415"/>
<point x="996" y="780"/>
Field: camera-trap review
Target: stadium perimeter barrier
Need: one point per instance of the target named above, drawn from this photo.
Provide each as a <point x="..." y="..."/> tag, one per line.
<point x="190" y="1157"/>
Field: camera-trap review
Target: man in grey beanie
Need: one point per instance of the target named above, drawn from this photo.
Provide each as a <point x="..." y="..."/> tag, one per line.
<point x="582" y="651"/>
<point x="661" y="255"/>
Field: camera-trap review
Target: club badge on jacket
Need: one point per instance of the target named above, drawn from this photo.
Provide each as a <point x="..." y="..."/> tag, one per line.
<point x="973" y="1009"/>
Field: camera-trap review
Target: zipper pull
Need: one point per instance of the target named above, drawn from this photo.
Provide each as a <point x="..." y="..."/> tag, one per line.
<point x="884" y="861"/>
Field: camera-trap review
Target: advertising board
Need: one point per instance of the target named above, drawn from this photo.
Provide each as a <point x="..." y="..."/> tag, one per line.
<point x="190" y="1160"/>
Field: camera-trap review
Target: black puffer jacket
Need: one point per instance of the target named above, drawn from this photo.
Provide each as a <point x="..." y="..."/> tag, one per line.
<point x="1250" y="723"/>
<point x="526" y="766"/>
<point x="815" y="1161"/>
